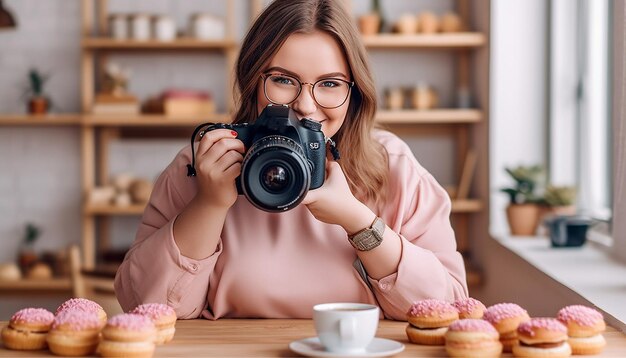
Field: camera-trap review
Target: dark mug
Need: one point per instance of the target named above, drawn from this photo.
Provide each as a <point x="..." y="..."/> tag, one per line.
<point x="568" y="231"/>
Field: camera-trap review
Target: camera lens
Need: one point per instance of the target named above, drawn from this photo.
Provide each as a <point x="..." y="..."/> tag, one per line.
<point x="275" y="174"/>
<point x="275" y="178"/>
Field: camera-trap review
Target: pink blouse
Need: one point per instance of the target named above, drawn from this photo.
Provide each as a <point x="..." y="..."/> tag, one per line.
<point x="279" y="265"/>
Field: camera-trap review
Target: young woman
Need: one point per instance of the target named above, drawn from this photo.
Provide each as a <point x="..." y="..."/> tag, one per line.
<point x="377" y="231"/>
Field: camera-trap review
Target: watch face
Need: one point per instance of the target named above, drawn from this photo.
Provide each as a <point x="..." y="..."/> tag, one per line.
<point x="370" y="237"/>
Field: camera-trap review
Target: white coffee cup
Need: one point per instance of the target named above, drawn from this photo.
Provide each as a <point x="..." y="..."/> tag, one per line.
<point x="345" y="327"/>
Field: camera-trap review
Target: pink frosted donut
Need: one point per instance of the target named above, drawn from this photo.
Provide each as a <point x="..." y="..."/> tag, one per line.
<point x="429" y="320"/>
<point x="506" y="317"/>
<point x="469" y="308"/>
<point x="28" y="329"/>
<point x="154" y="310"/>
<point x="472" y="337"/>
<point x="472" y="325"/>
<point x="164" y="318"/>
<point x="129" y="327"/>
<point x="584" y="328"/>
<point x="76" y="320"/>
<point x="502" y="311"/>
<point x="74" y="333"/>
<point x="37" y="316"/>
<point x="131" y="322"/>
<point x="81" y="304"/>
<point x="84" y="305"/>
<point x="582" y="315"/>
<point x="432" y="313"/>
<point x="535" y="325"/>
<point x="431" y="307"/>
<point x="542" y="337"/>
<point x="582" y="321"/>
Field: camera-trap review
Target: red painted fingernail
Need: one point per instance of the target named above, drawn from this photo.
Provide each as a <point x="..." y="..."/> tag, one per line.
<point x="234" y="133"/>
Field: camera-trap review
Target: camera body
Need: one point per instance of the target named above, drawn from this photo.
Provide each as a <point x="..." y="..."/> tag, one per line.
<point x="285" y="157"/>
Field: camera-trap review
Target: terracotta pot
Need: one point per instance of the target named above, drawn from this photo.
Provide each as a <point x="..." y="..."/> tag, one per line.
<point x="369" y="24"/>
<point x="523" y="219"/>
<point x="561" y="210"/>
<point x="550" y="211"/>
<point x="26" y="259"/>
<point x="38" y="105"/>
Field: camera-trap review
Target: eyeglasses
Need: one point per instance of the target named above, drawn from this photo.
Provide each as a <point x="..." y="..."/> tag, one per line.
<point x="327" y="92"/>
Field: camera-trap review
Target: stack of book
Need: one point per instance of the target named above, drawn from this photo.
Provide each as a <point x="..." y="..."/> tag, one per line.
<point x="180" y="103"/>
<point x="115" y="104"/>
<point x="187" y="103"/>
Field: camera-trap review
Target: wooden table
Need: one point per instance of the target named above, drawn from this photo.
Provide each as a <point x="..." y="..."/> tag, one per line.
<point x="271" y="338"/>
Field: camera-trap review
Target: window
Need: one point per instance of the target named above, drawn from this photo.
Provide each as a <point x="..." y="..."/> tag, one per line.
<point x="580" y="149"/>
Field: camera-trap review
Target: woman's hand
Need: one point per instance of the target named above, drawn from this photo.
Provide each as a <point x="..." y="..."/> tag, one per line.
<point x="334" y="203"/>
<point x="218" y="163"/>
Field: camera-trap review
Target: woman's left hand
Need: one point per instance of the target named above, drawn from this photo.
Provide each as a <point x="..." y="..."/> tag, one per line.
<point x="334" y="203"/>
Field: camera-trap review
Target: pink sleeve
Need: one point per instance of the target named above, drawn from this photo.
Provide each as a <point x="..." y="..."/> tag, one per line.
<point x="430" y="266"/>
<point x="154" y="269"/>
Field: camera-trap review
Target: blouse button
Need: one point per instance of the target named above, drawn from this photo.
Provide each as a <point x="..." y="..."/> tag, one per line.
<point x="193" y="267"/>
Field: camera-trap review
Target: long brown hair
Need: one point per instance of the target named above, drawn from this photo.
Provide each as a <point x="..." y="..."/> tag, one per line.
<point x="364" y="160"/>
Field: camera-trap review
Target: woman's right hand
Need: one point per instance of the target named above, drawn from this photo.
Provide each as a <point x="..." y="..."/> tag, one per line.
<point x="218" y="163"/>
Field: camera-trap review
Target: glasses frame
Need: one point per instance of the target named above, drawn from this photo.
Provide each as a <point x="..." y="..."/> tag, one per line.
<point x="265" y="76"/>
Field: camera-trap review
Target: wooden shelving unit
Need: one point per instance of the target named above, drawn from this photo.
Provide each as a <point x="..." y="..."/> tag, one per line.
<point x="97" y="131"/>
<point x="466" y="206"/>
<point x="468" y="127"/>
<point x="433" y="116"/>
<point x="54" y="284"/>
<point x="448" y="40"/>
<point x="105" y="43"/>
<point x="45" y="120"/>
<point x="150" y="120"/>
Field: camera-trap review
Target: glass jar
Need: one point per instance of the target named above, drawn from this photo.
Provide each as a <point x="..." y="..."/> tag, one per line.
<point x="163" y="28"/>
<point x="118" y="26"/>
<point x="140" y="27"/>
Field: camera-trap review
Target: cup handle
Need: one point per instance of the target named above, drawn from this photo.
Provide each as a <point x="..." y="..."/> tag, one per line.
<point x="347" y="328"/>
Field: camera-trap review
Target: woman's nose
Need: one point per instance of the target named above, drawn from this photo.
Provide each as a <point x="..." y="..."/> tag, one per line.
<point x="305" y="104"/>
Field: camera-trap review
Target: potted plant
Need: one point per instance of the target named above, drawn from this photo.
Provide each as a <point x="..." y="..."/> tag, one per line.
<point x="27" y="256"/>
<point x="38" y="102"/>
<point x="559" y="200"/>
<point x="523" y="212"/>
<point x="372" y="22"/>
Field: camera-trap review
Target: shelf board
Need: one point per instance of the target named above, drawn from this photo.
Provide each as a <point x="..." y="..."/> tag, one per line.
<point x="39" y="120"/>
<point x="466" y="206"/>
<point x="114" y="210"/>
<point x="445" y="40"/>
<point x="106" y="43"/>
<point x="53" y="284"/>
<point x="141" y="120"/>
<point x="432" y="116"/>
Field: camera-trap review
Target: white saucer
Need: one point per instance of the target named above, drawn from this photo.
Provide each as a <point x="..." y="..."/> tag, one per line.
<point x="380" y="347"/>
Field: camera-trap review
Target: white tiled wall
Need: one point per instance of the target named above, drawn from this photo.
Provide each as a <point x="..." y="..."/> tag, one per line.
<point x="39" y="166"/>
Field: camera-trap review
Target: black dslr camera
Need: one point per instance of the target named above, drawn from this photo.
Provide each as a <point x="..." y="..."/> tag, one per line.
<point x="285" y="157"/>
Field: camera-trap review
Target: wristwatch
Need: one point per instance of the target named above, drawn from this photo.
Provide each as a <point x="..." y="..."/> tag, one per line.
<point x="368" y="238"/>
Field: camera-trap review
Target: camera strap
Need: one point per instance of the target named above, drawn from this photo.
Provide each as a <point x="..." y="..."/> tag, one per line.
<point x="191" y="168"/>
<point x="333" y="148"/>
